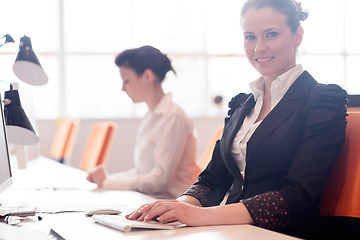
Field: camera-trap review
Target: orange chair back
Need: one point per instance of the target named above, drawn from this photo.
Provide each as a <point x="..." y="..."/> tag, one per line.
<point x="353" y="109"/>
<point x="64" y="139"/>
<point x="341" y="196"/>
<point x="98" y="145"/>
<point x="207" y="153"/>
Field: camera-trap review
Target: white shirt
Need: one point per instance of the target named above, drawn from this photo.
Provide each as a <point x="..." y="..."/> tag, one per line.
<point x="278" y="89"/>
<point x="164" y="155"/>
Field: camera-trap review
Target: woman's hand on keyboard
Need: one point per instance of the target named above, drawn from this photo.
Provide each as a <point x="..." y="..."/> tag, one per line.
<point x="166" y="211"/>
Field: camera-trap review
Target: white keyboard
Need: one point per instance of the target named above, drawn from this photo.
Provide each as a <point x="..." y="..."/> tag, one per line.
<point x="121" y="223"/>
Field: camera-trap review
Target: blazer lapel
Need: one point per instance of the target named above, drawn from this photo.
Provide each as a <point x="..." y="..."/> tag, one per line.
<point x="230" y="132"/>
<point x="281" y="111"/>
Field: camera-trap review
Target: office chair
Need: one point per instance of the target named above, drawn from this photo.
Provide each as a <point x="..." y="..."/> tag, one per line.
<point x="64" y="139"/>
<point x="353" y="103"/>
<point x="354" y="109"/>
<point x="98" y="145"/>
<point x="207" y="153"/>
<point x="340" y="203"/>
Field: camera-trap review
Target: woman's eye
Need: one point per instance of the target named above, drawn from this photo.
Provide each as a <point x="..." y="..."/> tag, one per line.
<point x="249" y="37"/>
<point x="272" y="34"/>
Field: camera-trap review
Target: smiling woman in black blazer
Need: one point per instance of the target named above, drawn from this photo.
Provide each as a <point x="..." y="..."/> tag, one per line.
<point x="279" y="142"/>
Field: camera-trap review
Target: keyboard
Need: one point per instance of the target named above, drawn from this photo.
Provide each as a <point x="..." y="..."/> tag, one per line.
<point x="21" y="210"/>
<point x="119" y="222"/>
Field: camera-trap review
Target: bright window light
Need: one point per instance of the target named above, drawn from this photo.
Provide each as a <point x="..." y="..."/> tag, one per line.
<point x="77" y="41"/>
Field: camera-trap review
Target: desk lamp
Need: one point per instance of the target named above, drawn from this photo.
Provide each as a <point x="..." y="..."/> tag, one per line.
<point x="28" y="69"/>
<point x="18" y="126"/>
<point x="27" y="66"/>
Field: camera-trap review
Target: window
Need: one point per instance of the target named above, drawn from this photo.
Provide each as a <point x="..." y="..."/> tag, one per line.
<point x="77" y="41"/>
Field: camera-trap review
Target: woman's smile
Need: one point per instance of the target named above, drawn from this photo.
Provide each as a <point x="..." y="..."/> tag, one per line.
<point x="267" y="59"/>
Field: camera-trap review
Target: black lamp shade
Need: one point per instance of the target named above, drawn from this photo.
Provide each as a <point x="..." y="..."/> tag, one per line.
<point x="8" y="38"/>
<point x="27" y="66"/>
<point x="18" y="126"/>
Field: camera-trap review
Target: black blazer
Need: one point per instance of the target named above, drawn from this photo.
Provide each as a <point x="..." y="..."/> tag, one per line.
<point x="292" y="151"/>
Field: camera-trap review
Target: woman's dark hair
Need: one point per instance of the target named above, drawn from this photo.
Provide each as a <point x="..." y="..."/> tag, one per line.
<point x="145" y="57"/>
<point x="291" y="8"/>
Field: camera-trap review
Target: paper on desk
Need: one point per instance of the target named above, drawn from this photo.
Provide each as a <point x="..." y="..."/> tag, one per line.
<point x="77" y="207"/>
<point x="71" y="201"/>
<point x="11" y="232"/>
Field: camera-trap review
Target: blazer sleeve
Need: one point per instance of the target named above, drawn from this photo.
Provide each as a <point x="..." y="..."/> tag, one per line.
<point x="324" y="122"/>
<point x="213" y="182"/>
<point x="216" y="180"/>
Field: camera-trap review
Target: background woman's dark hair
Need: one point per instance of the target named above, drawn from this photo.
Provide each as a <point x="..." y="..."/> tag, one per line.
<point x="291" y="8"/>
<point x="145" y="57"/>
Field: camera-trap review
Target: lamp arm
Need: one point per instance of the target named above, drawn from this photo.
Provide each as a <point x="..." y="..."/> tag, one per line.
<point x="4" y="81"/>
<point x="8" y="38"/>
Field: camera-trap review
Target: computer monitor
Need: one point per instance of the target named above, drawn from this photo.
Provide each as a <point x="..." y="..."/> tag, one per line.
<point x="5" y="168"/>
<point x="16" y="209"/>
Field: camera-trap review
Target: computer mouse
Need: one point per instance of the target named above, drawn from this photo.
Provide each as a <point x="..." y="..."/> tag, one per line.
<point x="97" y="211"/>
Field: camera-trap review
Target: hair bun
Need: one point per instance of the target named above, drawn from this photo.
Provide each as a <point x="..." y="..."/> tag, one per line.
<point x="302" y="15"/>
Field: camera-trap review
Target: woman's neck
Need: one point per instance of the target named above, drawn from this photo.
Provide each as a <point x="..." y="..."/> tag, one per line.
<point x="267" y="84"/>
<point x="155" y="98"/>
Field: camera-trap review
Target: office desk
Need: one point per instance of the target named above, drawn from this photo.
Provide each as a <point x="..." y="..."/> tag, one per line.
<point x="54" y="187"/>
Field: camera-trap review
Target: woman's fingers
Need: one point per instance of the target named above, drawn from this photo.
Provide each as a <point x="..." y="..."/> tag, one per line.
<point x="130" y="215"/>
<point x="169" y="216"/>
<point x="147" y="207"/>
<point x="149" y="211"/>
<point x="158" y="210"/>
<point x="138" y="214"/>
<point x="89" y="178"/>
<point x="166" y="211"/>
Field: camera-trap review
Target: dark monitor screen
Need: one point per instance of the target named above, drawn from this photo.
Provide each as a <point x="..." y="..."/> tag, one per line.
<point x="5" y="168"/>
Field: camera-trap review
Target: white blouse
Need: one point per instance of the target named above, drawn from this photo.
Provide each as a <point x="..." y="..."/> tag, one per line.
<point x="278" y="89"/>
<point x="164" y="154"/>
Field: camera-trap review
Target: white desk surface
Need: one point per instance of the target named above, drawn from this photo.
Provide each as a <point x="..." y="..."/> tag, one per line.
<point x="56" y="187"/>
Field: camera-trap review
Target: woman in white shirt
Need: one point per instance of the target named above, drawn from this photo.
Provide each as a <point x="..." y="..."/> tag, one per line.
<point x="165" y="150"/>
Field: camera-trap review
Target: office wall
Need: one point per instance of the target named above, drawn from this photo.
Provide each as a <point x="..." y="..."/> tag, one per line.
<point x="121" y="154"/>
